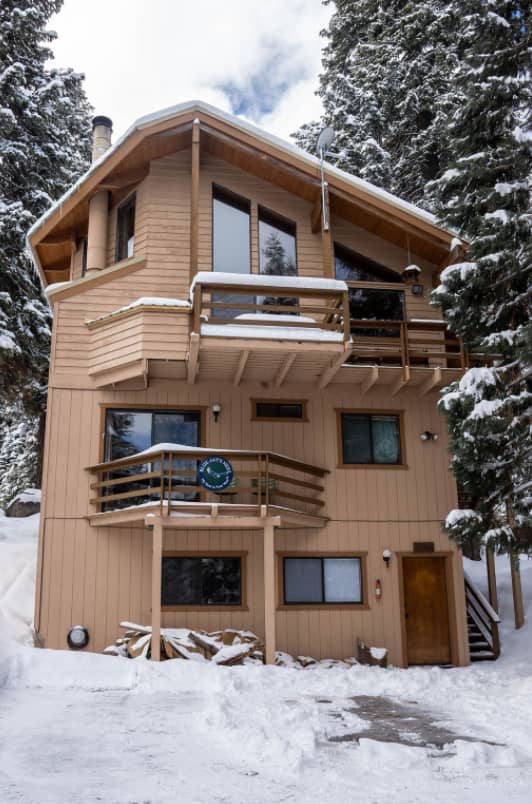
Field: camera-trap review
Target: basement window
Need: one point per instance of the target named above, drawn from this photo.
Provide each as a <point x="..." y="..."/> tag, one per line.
<point x="319" y="580"/>
<point x="201" y="581"/>
<point x="278" y="410"/>
<point x="125" y="229"/>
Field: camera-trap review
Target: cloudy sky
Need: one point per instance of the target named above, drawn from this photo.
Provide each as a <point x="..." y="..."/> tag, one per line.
<point x="256" y="58"/>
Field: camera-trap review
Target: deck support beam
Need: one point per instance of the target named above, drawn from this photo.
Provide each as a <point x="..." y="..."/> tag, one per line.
<point x="193" y="358"/>
<point x="269" y="592"/>
<point x="369" y="382"/>
<point x="330" y="371"/>
<point x="286" y="365"/>
<point x="400" y="382"/>
<point x="431" y="382"/>
<point x="156" y="573"/>
<point x="242" y="361"/>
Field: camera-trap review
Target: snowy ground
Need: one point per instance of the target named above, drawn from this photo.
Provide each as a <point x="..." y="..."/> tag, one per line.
<point x="87" y="728"/>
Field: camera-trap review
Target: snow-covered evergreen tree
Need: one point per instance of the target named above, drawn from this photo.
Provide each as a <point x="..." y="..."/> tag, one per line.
<point x="486" y="299"/>
<point x="384" y="67"/>
<point x="44" y="147"/>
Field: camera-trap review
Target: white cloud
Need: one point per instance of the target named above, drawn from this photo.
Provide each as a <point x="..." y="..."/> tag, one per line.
<point x="260" y="58"/>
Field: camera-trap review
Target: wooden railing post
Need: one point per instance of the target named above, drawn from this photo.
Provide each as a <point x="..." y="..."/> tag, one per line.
<point x="196" y="312"/>
<point x="161" y="483"/>
<point x="170" y="462"/>
<point x="403" y="334"/>
<point x="267" y="480"/>
<point x="347" y="321"/>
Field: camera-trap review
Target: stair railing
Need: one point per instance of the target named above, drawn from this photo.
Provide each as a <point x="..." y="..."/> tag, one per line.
<point x="483" y="615"/>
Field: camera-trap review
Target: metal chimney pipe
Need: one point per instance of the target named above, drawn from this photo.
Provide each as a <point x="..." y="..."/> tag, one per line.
<point x="102" y="128"/>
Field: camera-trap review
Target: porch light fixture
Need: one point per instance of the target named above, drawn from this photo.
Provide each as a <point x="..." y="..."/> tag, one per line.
<point x="78" y="637"/>
<point x="386" y="556"/>
<point x="426" y="435"/>
<point x="417" y="289"/>
<point x="216" y="410"/>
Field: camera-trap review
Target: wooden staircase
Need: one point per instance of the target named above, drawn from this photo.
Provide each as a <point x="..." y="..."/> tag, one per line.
<point x="482" y="624"/>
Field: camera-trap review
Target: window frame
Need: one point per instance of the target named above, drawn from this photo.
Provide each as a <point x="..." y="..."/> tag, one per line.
<point x="360" y="554"/>
<point x="121" y="210"/>
<point x="262" y="401"/>
<point x="370" y="412"/>
<point x="206" y="607"/>
<point x="84" y="253"/>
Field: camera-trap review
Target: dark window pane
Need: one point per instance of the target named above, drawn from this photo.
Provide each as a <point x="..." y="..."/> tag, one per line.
<point x="303" y="580"/>
<point x="193" y="581"/>
<point x="125" y="229"/>
<point x="356" y="438"/>
<point x="342" y="579"/>
<point x="386" y="439"/>
<point x="353" y="267"/>
<point x="127" y="432"/>
<point x="272" y="410"/>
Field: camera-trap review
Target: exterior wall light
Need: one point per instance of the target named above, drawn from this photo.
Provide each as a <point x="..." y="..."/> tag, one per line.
<point x="216" y="410"/>
<point x="417" y="289"/>
<point x="78" y="637"/>
<point x="428" y="436"/>
<point x="411" y="273"/>
<point x="386" y="557"/>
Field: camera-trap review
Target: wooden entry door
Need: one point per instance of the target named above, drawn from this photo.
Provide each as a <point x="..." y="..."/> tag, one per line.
<point x="426" y="610"/>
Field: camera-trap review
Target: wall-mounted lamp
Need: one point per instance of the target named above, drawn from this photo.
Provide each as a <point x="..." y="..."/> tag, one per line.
<point x="216" y="410"/>
<point x="417" y="289"/>
<point x="78" y="637"/>
<point x="386" y="557"/>
<point x="428" y="436"/>
<point x="411" y="273"/>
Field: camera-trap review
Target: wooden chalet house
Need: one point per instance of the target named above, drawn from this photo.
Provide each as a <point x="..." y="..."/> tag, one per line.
<point x="242" y="427"/>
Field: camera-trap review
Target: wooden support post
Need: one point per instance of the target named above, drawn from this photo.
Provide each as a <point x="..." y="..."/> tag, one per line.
<point x="519" y="611"/>
<point x="492" y="579"/>
<point x="431" y="382"/>
<point x="156" y="573"/>
<point x="269" y="593"/>
<point x="194" y="198"/>
<point x="334" y="367"/>
<point x="347" y="316"/>
<point x="193" y="358"/>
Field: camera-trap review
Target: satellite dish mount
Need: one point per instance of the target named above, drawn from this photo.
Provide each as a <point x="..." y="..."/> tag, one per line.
<point x="325" y="140"/>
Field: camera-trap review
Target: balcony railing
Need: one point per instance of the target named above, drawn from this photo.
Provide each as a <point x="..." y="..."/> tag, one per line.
<point x="169" y="478"/>
<point x="316" y="309"/>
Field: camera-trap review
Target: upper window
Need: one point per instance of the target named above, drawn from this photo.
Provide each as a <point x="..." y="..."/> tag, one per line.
<point x="277" y="244"/>
<point x="201" y="581"/>
<point x="371" y="438"/>
<point x="322" y="580"/>
<point x="279" y="410"/>
<point x="230" y="232"/>
<point x="125" y="229"/>
<point x="353" y="267"/>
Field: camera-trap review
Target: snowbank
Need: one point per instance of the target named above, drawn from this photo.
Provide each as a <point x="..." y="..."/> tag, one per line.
<point x="18" y="558"/>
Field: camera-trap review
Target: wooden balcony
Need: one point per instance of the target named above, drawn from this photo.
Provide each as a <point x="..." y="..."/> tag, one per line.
<point x="272" y="330"/>
<point x="165" y="483"/>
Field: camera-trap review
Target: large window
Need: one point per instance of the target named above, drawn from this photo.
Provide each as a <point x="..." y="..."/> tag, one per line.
<point x="231" y="251"/>
<point x="277" y="252"/>
<point x="202" y="581"/>
<point x="367" y="303"/>
<point x="321" y="580"/>
<point x="371" y="438"/>
<point x="128" y="432"/>
<point x="125" y="229"/>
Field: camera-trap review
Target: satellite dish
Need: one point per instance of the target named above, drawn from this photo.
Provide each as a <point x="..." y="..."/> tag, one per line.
<point x="325" y="140"/>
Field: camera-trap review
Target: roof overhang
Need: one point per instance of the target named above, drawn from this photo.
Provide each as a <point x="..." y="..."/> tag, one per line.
<point x="243" y="144"/>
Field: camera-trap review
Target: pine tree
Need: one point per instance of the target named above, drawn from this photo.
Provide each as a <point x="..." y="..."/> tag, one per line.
<point x="384" y="67"/>
<point x="44" y="147"/>
<point x="277" y="263"/>
<point x="486" y="299"/>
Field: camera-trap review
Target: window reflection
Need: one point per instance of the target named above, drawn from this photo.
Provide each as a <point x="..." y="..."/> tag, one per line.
<point x="277" y="253"/>
<point x="230" y="244"/>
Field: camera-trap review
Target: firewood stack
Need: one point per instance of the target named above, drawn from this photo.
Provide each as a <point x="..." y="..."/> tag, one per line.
<point x="228" y="647"/>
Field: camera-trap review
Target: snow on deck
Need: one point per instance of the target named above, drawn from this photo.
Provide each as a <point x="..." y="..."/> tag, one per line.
<point x="299" y="283"/>
<point x="145" y="301"/>
<point x="271" y="333"/>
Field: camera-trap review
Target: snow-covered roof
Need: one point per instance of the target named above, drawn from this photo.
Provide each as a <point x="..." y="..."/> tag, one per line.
<point x="246" y="127"/>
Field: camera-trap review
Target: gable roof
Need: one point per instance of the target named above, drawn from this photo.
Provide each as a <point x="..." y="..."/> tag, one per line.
<point x="159" y="133"/>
